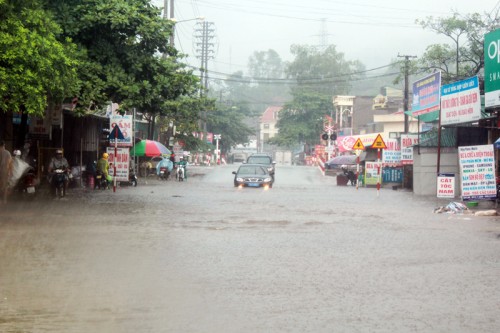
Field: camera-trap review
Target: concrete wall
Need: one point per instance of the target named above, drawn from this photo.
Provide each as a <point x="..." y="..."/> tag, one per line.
<point x="425" y="168"/>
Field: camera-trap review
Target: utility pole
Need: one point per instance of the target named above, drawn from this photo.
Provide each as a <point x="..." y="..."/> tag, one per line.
<point x="204" y="34"/>
<point x="172" y="36"/>
<point x="406" y="100"/>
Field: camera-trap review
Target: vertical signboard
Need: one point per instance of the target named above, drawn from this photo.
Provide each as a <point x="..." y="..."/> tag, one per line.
<point x="460" y="102"/>
<point x="477" y="172"/>
<point x="122" y="162"/>
<point x="391" y="155"/>
<point x="426" y="93"/>
<point x="371" y="173"/>
<point x="125" y="125"/>
<point x="407" y="143"/>
<point x="446" y="185"/>
<point x="492" y="69"/>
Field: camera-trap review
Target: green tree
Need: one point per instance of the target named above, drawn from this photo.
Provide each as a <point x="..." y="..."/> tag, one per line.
<point x="464" y="56"/>
<point x="228" y="121"/>
<point x="37" y="65"/>
<point x="319" y="76"/>
<point x="265" y="64"/>
<point x="117" y="39"/>
<point x="127" y="58"/>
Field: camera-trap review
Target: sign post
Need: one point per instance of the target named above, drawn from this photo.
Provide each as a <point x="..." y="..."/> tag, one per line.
<point x="358" y="148"/>
<point x="115" y="134"/>
<point x="491" y="68"/>
<point x="379" y="144"/>
<point x="217" y="137"/>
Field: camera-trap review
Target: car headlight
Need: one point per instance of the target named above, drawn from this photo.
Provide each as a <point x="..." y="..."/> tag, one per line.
<point x="267" y="179"/>
<point x="239" y="179"/>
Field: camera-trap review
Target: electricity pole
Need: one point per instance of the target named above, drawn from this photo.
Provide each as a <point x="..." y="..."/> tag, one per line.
<point x="406" y="100"/>
<point x="204" y="34"/>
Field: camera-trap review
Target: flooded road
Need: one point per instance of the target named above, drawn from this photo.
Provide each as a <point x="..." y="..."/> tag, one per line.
<point x="203" y="256"/>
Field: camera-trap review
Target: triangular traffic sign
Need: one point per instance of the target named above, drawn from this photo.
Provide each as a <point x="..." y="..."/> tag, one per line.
<point x="379" y="143"/>
<point x="358" y="145"/>
<point x="116" y="133"/>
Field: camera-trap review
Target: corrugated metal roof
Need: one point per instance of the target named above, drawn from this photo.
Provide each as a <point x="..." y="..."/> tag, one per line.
<point x="430" y="138"/>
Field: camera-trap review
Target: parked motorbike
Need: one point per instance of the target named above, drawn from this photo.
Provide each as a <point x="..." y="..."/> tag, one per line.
<point x="58" y="179"/>
<point x="132" y="178"/>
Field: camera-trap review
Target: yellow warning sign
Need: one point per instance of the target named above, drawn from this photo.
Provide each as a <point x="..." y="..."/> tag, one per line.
<point x="379" y="143"/>
<point x="358" y="145"/>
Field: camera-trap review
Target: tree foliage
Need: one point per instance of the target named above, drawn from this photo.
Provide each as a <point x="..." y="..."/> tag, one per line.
<point x="463" y="57"/>
<point x="319" y="75"/>
<point x="36" y="61"/>
<point x="228" y="121"/>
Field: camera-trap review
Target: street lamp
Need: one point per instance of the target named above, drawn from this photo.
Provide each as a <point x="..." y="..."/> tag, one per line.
<point x="174" y="20"/>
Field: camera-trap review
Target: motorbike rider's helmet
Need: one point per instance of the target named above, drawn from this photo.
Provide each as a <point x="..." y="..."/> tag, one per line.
<point x="105" y="156"/>
<point x="17" y="152"/>
<point x="59" y="152"/>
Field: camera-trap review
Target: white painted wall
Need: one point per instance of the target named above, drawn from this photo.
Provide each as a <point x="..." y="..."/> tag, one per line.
<point x="425" y="169"/>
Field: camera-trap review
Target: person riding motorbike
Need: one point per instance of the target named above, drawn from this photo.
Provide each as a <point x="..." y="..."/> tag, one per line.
<point x="103" y="167"/>
<point x="164" y="163"/>
<point x="182" y="164"/>
<point x="59" y="162"/>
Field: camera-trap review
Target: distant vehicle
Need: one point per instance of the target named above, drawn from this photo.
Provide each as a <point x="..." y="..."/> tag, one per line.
<point x="239" y="157"/>
<point x="252" y="175"/>
<point x="264" y="159"/>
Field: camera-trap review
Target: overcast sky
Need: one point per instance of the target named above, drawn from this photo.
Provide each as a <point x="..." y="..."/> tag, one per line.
<point x="371" y="31"/>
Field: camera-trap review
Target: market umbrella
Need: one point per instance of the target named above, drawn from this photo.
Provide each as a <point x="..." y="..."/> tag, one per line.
<point x="343" y="159"/>
<point x="149" y="148"/>
<point x="496" y="144"/>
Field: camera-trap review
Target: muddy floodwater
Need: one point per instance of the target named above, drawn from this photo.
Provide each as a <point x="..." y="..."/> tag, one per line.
<point x="204" y="256"/>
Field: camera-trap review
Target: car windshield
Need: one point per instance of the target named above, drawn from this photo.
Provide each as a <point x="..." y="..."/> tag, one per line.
<point x="259" y="160"/>
<point x="251" y="170"/>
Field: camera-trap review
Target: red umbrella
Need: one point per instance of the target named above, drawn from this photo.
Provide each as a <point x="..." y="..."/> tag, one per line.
<point x="149" y="148"/>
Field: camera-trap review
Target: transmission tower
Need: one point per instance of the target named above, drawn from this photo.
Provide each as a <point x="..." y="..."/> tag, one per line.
<point x="323" y="35"/>
<point x="204" y="35"/>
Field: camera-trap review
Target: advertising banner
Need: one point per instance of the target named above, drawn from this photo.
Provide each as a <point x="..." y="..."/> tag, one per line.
<point x="407" y="141"/>
<point x="371" y="172"/>
<point x="446" y="185"/>
<point x="122" y="162"/>
<point x="426" y="94"/>
<point x="477" y="172"/>
<point x="125" y="124"/>
<point x="346" y="143"/>
<point x="460" y="102"/>
<point x="492" y="69"/>
<point x="391" y="155"/>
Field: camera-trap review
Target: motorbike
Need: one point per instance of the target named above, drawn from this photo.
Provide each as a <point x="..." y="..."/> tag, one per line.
<point x="164" y="174"/>
<point x="132" y="178"/>
<point x="58" y="180"/>
<point x="100" y="181"/>
<point x="26" y="186"/>
<point x="29" y="183"/>
<point x="180" y="173"/>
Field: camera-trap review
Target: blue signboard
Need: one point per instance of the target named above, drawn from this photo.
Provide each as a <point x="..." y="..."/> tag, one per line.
<point x="426" y="94"/>
<point x="392" y="175"/>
